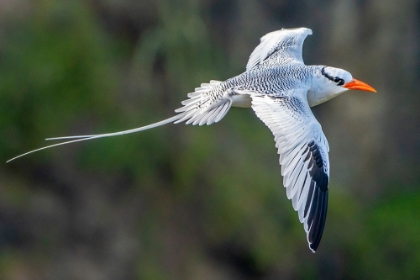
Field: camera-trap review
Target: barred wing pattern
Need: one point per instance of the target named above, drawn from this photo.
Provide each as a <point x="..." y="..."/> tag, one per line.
<point x="303" y="151"/>
<point x="279" y="47"/>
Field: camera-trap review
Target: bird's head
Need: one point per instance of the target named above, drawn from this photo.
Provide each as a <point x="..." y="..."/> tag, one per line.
<point x="332" y="82"/>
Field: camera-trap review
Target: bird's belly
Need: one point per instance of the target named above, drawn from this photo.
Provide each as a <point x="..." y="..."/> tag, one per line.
<point x="241" y="100"/>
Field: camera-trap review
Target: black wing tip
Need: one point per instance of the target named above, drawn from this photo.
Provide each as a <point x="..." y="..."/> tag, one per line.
<point x="317" y="229"/>
<point x="317" y="239"/>
<point x="313" y="247"/>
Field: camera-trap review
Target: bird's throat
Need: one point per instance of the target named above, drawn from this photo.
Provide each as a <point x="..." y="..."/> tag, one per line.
<point x="319" y="97"/>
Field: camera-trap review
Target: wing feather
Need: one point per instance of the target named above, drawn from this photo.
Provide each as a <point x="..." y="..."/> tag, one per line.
<point x="279" y="47"/>
<point x="303" y="151"/>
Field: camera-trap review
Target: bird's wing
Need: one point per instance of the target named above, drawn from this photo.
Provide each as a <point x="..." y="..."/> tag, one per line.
<point x="278" y="47"/>
<point x="303" y="151"/>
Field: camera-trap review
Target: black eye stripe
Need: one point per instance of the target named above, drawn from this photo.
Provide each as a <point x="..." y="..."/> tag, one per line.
<point x="336" y="80"/>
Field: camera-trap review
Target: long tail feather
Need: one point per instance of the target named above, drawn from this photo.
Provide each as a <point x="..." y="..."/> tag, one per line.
<point x="80" y="138"/>
<point x="70" y="137"/>
<point x="202" y="107"/>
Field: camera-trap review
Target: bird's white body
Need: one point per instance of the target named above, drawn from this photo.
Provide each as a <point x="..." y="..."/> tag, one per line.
<point x="280" y="88"/>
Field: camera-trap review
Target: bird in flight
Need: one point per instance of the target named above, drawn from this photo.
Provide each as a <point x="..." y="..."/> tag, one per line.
<point x="280" y="89"/>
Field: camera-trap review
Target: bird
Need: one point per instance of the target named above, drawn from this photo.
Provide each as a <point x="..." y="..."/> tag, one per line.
<point x="281" y="90"/>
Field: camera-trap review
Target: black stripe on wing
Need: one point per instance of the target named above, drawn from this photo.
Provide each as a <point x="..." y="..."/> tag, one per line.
<point x="317" y="200"/>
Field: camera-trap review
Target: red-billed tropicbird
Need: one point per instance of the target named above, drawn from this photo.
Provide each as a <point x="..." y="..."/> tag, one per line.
<point x="280" y="88"/>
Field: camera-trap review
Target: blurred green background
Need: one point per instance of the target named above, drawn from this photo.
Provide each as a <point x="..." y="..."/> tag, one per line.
<point x="183" y="202"/>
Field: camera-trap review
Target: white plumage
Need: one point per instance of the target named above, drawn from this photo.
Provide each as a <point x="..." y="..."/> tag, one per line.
<point x="280" y="88"/>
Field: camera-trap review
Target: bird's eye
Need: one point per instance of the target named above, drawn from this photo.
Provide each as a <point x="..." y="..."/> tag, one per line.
<point x="339" y="81"/>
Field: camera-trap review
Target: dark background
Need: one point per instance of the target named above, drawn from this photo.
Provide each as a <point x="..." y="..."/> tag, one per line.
<point x="183" y="202"/>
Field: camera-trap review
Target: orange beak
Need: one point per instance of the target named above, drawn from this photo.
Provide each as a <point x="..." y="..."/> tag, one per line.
<point x="359" y="85"/>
